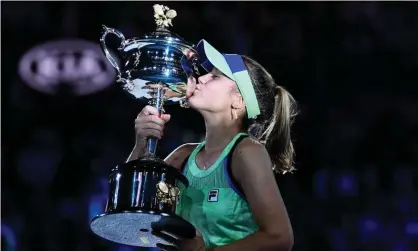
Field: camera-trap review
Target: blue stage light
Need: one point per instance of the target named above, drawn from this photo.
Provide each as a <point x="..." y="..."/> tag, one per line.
<point x="10" y="243"/>
<point x="97" y="205"/>
<point x="370" y="226"/>
<point x="411" y="228"/>
<point x="347" y="184"/>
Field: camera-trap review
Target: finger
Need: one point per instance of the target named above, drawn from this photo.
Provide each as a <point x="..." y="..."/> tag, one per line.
<point x="168" y="234"/>
<point x="150" y="119"/>
<point x="188" y="53"/>
<point x="149" y="124"/>
<point x="167" y="228"/>
<point x="191" y="81"/>
<point x="154" y="131"/>
<point x="148" y="110"/>
<point x="151" y="133"/>
<point x="166" y="117"/>
<point x="166" y="247"/>
<point x="165" y="237"/>
<point x="191" y="86"/>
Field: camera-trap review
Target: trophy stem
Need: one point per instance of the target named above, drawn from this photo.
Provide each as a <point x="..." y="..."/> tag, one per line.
<point x="156" y="101"/>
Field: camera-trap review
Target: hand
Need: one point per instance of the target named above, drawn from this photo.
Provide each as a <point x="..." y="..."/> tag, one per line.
<point x="180" y="240"/>
<point x="195" y="244"/>
<point x="149" y="123"/>
<point x="191" y="80"/>
<point x="191" y="86"/>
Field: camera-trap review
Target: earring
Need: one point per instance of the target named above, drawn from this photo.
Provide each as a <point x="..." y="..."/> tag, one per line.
<point x="234" y="113"/>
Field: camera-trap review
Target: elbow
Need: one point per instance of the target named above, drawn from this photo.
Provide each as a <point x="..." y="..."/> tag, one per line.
<point x="282" y="241"/>
<point x="286" y="244"/>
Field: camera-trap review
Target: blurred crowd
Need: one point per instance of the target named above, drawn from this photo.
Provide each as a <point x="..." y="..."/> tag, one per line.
<point x="352" y="67"/>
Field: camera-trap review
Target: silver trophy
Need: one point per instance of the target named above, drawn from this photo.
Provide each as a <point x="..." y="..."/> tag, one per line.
<point x="146" y="190"/>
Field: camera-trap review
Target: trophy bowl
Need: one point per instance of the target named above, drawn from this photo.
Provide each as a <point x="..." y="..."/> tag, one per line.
<point x="154" y="59"/>
<point x="146" y="190"/>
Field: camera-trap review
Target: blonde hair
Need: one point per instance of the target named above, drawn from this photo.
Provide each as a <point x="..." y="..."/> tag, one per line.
<point x="278" y="111"/>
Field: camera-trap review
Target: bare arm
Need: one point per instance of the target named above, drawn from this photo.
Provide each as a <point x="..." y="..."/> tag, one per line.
<point x="137" y="152"/>
<point x="251" y="166"/>
<point x="179" y="155"/>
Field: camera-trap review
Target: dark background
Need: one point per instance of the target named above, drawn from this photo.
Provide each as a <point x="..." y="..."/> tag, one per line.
<point x="351" y="66"/>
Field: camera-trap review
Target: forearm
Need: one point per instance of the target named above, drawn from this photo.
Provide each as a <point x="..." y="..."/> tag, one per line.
<point x="259" y="241"/>
<point x="137" y="152"/>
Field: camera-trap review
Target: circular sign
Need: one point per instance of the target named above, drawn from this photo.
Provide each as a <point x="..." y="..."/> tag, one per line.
<point x="78" y="65"/>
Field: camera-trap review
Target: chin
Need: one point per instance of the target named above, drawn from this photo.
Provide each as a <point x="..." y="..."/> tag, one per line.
<point x="193" y="103"/>
<point x="197" y="103"/>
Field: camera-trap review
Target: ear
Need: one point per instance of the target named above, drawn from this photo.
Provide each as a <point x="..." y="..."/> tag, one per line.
<point x="237" y="101"/>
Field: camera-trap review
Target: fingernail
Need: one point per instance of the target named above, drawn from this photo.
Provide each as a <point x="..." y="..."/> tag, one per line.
<point x="159" y="115"/>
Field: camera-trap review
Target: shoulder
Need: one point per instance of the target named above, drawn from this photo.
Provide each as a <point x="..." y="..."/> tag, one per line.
<point x="250" y="148"/>
<point x="179" y="155"/>
<point x="250" y="156"/>
<point x="188" y="147"/>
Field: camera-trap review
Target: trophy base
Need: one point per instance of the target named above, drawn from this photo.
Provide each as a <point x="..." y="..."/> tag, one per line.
<point x="134" y="228"/>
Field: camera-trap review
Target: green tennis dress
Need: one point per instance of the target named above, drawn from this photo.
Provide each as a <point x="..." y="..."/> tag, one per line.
<point x="213" y="203"/>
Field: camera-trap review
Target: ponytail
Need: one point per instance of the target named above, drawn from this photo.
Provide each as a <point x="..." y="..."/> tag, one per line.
<point x="277" y="136"/>
<point x="272" y="126"/>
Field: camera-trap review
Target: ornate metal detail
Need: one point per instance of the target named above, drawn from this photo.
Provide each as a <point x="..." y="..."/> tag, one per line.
<point x="163" y="16"/>
<point x="166" y="193"/>
<point x="137" y="56"/>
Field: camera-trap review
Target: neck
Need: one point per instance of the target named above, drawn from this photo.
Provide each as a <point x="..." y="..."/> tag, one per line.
<point x="220" y="130"/>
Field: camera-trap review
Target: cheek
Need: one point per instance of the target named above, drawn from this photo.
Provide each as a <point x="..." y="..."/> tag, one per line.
<point x="215" y="92"/>
<point x="211" y="97"/>
<point x="218" y="99"/>
<point x="218" y="88"/>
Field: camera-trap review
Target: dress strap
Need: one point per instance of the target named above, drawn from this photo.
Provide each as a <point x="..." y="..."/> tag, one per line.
<point x="233" y="183"/>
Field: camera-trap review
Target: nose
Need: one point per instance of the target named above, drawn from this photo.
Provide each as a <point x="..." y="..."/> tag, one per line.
<point x="200" y="80"/>
<point x="203" y="79"/>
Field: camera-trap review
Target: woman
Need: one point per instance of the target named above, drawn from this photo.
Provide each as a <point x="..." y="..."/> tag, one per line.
<point x="233" y="199"/>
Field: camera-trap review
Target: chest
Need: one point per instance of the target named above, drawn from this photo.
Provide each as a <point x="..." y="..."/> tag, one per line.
<point x="209" y="194"/>
<point x="219" y="213"/>
<point x="204" y="160"/>
<point x="208" y="202"/>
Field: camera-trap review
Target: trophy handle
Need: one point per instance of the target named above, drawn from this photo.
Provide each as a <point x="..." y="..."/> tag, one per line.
<point x="106" y="31"/>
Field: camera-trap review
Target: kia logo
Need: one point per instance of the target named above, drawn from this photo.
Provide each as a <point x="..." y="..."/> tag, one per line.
<point x="79" y="65"/>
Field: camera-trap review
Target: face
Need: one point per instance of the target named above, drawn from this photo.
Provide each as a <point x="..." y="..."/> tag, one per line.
<point x="214" y="93"/>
